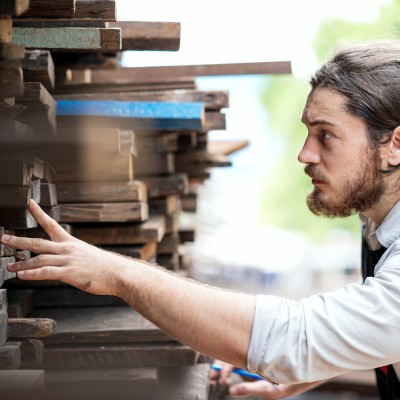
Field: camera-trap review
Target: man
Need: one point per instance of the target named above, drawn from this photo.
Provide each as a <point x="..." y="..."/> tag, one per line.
<point x="352" y="154"/>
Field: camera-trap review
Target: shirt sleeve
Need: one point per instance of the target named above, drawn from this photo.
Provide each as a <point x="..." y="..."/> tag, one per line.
<point x="324" y="335"/>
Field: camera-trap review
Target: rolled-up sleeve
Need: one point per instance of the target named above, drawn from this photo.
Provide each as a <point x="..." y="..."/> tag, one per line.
<point x="324" y="335"/>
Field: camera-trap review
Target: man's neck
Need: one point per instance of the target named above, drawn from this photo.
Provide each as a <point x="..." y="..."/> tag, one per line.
<point x="378" y="212"/>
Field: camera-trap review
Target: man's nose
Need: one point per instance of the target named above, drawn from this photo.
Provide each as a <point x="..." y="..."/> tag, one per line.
<point x="309" y="154"/>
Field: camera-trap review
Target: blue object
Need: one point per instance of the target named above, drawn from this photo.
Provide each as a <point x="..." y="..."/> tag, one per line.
<point x="239" y="371"/>
<point x="142" y="114"/>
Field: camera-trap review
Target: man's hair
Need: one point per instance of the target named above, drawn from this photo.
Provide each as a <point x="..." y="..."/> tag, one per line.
<point x="369" y="76"/>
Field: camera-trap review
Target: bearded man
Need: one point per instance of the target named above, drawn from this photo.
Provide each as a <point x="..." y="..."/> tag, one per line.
<point x="352" y="154"/>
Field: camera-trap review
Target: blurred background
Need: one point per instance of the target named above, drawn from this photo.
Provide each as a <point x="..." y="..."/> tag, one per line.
<point x="253" y="229"/>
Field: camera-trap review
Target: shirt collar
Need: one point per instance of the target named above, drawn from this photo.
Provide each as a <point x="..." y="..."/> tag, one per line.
<point x="386" y="233"/>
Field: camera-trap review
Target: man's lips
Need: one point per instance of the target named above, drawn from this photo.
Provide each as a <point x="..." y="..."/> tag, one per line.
<point x="316" y="181"/>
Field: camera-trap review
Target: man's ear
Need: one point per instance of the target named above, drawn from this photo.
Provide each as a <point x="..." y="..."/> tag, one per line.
<point x="394" y="148"/>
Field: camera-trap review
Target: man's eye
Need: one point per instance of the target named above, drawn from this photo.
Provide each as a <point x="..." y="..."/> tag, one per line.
<point x="325" y="135"/>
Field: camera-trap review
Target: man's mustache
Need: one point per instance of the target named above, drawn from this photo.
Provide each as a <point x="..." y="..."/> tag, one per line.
<point x="311" y="171"/>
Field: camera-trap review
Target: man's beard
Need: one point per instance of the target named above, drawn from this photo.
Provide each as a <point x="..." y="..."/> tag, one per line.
<point x="353" y="196"/>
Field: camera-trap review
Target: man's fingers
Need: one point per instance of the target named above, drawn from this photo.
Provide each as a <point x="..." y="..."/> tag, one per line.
<point x="52" y="228"/>
<point x="45" y="273"/>
<point x="36" y="245"/>
<point x="37" y="262"/>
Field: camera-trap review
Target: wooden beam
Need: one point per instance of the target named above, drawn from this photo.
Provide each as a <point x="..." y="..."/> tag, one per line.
<point x="154" y="164"/>
<point x="104" y="212"/>
<point x="59" y="23"/>
<point x="162" y="186"/>
<point x="139" y="115"/>
<point x="130" y="74"/>
<point x="11" y="80"/>
<point x="22" y="328"/>
<point x="152" y="230"/>
<point x="149" y="35"/>
<point x="3" y="327"/>
<point x="27" y="383"/>
<point x="17" y="218"/>
<point x="20" y="303"/>
<point x="51" y="9"/>
<point x="10" y="356"/>
<point x="14" y="7"/>
<point x="226" y="147"/>
<point x="38" y="66"/>
<point x="89" y="39"/>
<point x="11" y="51"/>
<point x="106" y="192"/>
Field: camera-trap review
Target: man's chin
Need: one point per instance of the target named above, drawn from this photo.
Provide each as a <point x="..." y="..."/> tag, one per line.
<point x="323" y="208"/>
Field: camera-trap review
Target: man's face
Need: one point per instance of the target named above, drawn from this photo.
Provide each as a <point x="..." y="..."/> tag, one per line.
<point x="340" y="160"/>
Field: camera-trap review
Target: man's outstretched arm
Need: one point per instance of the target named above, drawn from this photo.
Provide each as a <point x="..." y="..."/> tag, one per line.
<point x="210" y="320"/>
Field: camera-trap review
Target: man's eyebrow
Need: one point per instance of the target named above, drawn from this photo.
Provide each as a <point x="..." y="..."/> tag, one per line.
<point x="317" y="121"/>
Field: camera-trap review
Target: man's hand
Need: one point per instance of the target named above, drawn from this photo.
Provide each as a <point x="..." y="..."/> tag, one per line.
<point x="65" y="258"/>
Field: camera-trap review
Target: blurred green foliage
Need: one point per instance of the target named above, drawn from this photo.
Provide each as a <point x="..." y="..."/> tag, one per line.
<point x="283" y="200"/>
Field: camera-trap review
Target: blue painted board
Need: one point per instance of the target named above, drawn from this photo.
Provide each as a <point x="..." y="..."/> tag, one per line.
<point x="141" y="114"/>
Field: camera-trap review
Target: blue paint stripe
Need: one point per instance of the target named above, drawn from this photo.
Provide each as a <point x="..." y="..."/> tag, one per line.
<point x="133" y="109"/>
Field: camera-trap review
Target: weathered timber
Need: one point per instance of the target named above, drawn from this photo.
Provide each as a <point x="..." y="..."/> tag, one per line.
<point x="17" y="218"/>
<point x="22" y="384"/>
<point x="10" y="112"/>
<point x="172" y="222"/>
<point x="144" y="115"/>
<point x="11" y="51"/>
<point x="149" y="35"/>
<point x="13" y="7"/>
<point x="154" y="164"/>
<point x="165" y="185"/>
<point x="165" y="205"/>
<point x="10" y="356"/>
<point x="32" y="351"/>
<point x="48" y="195"/>
<point x="107" y="234"/>
<point x="189" y="202"/>
<point x="214" y="120"/>
<point x="130" y="74"/>
<point x="105" y="192"/>
<point x="118" y="356"/>
<point x="35" y="92"/>
<point x="187" y="234"/>
<point x="143" y="252"/>
<point x="38" y="66"/>
<point x="184" y="383"/>
<point x="88" y="39"/>
<point x="213" y="100"/>
<point x="102" y="384"/>
<point x="100" y="9"/>
<point x="117" y="168"/>
<point x="191" y="162"/>
<point x="40" y="117"/>
<point x="3" y="327"/>
<point x="169" y="244"/>
<point x="165" y="143"/>
<point x="11" y="79"/>
<point x="128" y="141"/>
<point x="15" y="172"/>
<point x="59" y="23"/>
<point x="3" y="300"/>
<point x="4" y="273"/>
<point x="187" y="141"/>
<point x="169" y="261"/>
<point x="5" y="29"/>
<point x="51" y="9"/>
<point x="104" y="212"/>
<point x="24" y="328"/>
<point x="20" y="303"/>
<point x="12" y="196"/>
<point x="100" y="325"/>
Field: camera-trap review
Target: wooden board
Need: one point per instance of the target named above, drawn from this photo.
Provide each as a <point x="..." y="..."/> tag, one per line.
<point x="3" y="300"/>
<point x="214" y="120"/>
<point x="32" y="351"/>
<point x="11" y="79"/>
<point x="20" y="303"/>
<point x="154" y="164"/>
<point x="3" y="327"/>
<point x="51" y="9"/>
<point x="104" y="212"/>
<point x="100" y="325"/>
<point x="169" y="244"/>
<point x="88" y="39"/>
<point x="184" y="383"/>
<point x="132" y="115"/>
<point x="144" y="252"/>
<point x="130" y="74"/>
<point x="165" y="205"/>
<point x="6" y="251"/>
<point x="12" y="196"/>
<point x="59" y="23"/>
<point x="48" y="195"/>
<point x="212" y="100"/>
<point x="149" y="35"/>
<point x="11" y="51"/>
<point x="99" y="9"/>
<point x="23" y="328"/>
<point x="226" y="147"/>
<point x="108" y="234"/>
<point x="4" y="273"/>
<point x="10" y="356"/>
<point x="87" y="192"/>
<point x="17" y="218"/>
<point x="102" y="384"/>
<point x="165" y="143"/>
<point x="162" y="186"/>
<point x="118" y="356"/>
<point x="38" y="66"/>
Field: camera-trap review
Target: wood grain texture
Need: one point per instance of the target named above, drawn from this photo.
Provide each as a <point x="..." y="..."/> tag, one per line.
<point x="99" y="9"/>
<point x="51" y="9"/>
<point x="149" y="35"/>
<point x="24" y="328"/>
<point x="130" y="74"/>
<point x="38" y="66"/>
<point x="10" y="356"/>
<point x="152" y="230"/>
<point x="118" y="356"/>
<point x="104" y="212"/>
<point x="89" y="39"/>
<point x="100" y="325"/>
<point x="106" y="192"/>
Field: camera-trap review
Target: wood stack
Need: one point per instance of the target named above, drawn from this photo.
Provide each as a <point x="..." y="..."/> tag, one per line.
<point x="113" y="165"/>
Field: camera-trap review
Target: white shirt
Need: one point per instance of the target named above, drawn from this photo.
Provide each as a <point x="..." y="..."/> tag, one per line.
<point x="356" y="327"/>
